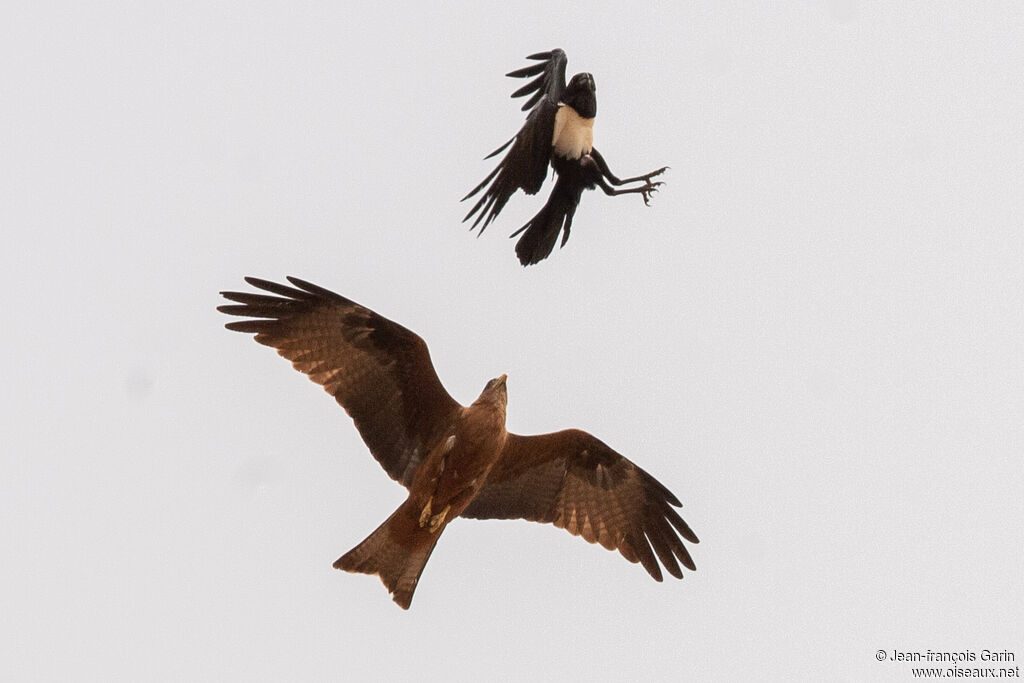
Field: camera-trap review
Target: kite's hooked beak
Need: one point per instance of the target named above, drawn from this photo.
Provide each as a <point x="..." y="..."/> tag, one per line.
<point x="501" y="380"/>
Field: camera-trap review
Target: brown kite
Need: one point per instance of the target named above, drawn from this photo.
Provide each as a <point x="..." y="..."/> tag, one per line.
<point x="455" y="460"/>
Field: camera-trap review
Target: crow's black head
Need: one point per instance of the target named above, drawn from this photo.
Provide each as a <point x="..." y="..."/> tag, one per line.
<point x="581" y="95"/>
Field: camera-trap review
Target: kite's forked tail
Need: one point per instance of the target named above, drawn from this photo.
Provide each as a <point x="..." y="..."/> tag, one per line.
<point x="397" y="552"/>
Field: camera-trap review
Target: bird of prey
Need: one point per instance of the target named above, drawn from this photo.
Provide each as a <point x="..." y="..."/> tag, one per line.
<point x="456" y="461"/>
<point x="559" y="130"/>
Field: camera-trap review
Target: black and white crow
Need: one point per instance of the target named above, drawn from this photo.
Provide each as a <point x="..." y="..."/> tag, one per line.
<point x="559" y="129"/>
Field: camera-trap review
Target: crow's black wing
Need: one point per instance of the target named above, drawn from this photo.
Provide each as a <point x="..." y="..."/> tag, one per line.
<point x="526" y="164"/>
<point x="550" y="77"/>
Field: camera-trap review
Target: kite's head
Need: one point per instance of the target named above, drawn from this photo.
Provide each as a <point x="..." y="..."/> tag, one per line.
<point x="498" y="383"/>
<point x="581" y="95"/>
<point x="495" y="392"/>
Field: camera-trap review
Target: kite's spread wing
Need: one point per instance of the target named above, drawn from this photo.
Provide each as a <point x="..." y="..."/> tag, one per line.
<point x="376" y="369"/>
<point x="576" y="482"/>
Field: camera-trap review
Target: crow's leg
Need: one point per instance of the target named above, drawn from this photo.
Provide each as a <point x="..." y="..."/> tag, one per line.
<point x="594" y="176"/>
<point x="647" y="189"/>
<point x="602" y="166"/>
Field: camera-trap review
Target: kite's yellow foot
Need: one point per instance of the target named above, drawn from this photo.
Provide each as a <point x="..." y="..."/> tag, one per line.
<point x="438" y="519"/>
<point x="425" y="515"/>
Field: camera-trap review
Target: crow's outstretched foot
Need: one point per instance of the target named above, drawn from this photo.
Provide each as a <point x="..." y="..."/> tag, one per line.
<point x="647" y="190"/>
<point x="654" y="173"/>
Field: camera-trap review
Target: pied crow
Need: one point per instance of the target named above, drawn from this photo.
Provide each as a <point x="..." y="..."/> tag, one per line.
<point x="559" y="129"/>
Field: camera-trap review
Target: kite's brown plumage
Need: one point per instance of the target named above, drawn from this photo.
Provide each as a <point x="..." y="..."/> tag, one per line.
<point x="455" y="460"/>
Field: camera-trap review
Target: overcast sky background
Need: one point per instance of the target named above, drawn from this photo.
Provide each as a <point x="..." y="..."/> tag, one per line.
<point x="813" y="336"/>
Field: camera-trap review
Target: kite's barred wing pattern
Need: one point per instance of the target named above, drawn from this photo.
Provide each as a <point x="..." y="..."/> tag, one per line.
<point x="376" y="369"/>
<point x="576" y="482"/>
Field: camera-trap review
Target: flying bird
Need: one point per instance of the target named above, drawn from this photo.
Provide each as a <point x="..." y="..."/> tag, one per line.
<point x="559" y="130"/>
<point x="456" y="461"/>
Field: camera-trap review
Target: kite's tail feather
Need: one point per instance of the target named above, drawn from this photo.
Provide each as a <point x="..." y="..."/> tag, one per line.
<point x="397" y="552"/>
<point x="541" y="233"/>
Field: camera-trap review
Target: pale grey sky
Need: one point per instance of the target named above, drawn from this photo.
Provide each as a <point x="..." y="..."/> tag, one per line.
<point x="812" y="336"/>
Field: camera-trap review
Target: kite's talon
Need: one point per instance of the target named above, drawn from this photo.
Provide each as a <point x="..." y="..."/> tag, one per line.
<point x="425" y="515"/>
<point x="437" y="520"/>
